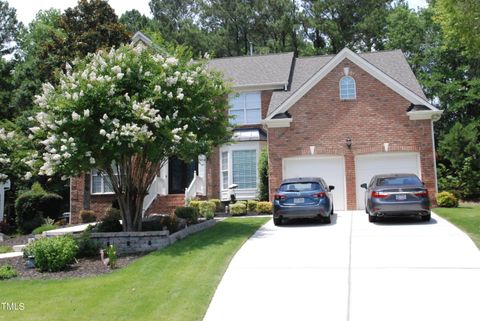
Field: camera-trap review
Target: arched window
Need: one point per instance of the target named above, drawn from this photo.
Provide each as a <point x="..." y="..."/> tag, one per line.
<point x="348" y="89"/>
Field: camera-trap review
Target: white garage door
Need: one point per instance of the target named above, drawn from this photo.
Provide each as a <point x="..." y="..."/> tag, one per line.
<point x="367" y="166"/>
<point x="331" y="169"/>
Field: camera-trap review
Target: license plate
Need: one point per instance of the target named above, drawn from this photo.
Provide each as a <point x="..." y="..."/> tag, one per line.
<point x="298" y="200"/>
<point x="401" y="197"/>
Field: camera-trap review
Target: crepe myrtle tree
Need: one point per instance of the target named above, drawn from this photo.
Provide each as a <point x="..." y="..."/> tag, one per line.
<point x="15" y="154"/>
<point x="125" y="112"/>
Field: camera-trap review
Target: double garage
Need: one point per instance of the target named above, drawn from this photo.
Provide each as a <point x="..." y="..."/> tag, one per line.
<point x="333" y="170"/>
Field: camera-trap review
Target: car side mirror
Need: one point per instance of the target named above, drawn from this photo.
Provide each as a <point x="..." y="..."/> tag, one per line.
<point x="331" y="187"/>
<point x="364" y="185"/>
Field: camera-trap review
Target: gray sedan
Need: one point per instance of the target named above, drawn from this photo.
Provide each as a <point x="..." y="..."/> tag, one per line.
<point x="396" y="195"/>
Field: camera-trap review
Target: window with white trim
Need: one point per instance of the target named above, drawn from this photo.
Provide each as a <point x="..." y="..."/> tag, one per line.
<point x="224" y="170"/>
<point x="347" y="88"/>
<point x="245" y="108"/>
<point x="101" y="184"/>
<point x="244" y="171"/>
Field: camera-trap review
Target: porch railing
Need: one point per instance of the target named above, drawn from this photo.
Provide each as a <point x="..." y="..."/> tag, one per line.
<point x="158" y="187"/>
<point x="196" y="187"/>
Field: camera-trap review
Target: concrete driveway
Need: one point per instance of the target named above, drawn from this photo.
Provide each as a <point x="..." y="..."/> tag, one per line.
<point x="352" y="270"/>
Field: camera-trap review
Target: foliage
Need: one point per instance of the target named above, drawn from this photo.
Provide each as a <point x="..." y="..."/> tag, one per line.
<point x="112" y="256"/>
<point x="29" y="216"/>
<point x="8" y="28"/>
<point x="159" y="223"/>
<point x="188" y="213"/>
<point x="5" y="249"/>
<point x="460" y="155"/>
<point x="113" y="212"/>
<point x="263" y="191"/>
<point x="146" y="108"/>
<point x="218" y="204"/>
<point x="252" y="206"/>
<point x="7" y="228"/>
<point x="7" y="271"/>
<point x="264" y="208"/>
<point x="134" y="21"/>
<point x="86" y="246"/>
<point x="87" y="216"/>
<point x="53" y="253"/>
<point x="109" y="223"/>
<point x="14" y="149"/>
<point x="207" y="209"/>
<point x="195" y="204"/>
<point x="43" y="228"/>
<point x="238" y="209"/>
<point x="446" y="199"/>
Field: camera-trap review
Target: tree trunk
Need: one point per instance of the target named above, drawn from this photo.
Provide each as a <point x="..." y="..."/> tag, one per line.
<point x="86" y="191"/>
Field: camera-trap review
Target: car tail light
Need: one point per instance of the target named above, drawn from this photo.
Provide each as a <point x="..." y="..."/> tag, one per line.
<point x="423" y="193"/>
<point x="319" y="195"/>
<point x="280" y="197"/>
<point x="379" y="194"/>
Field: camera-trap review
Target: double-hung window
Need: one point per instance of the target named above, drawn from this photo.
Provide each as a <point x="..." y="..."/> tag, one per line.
<point x="224" y="170"/>
<point x="101" y="184"/>
<point x="239" y="167"/>
<point x="245" y="108"/>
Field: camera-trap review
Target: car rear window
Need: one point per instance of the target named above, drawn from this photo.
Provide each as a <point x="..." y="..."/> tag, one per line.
<point x="300" y="187"/>
<point x="403" y="180"/>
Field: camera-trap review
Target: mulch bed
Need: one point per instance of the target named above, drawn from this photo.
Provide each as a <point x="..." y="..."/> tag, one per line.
<point x="16" y="240"/>
<point x="83" y="268"/>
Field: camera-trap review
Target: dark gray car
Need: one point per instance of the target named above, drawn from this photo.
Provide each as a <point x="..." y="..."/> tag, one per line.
<point x="303" y="197"/>
<point x="396" y="195"/>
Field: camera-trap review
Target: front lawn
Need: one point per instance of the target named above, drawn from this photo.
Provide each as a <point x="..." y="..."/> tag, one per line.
<point x="466" y="217"/>
<point x="176" y="283"/>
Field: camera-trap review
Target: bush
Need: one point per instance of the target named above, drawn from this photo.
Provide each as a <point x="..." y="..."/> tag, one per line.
<point x="7" y="272"/>
<point x="112" y="256"/>
<point x="43" y="228"/>
<point x="447" y="199"/>
<point x="52" y="253"/>
<point x="159" y="222"/>
<point x="238" y="209"/>
<point x="6" y="228"/>
<point x="32" y="206"/>
<point x="207" y="209"/>
<point x="113" y="212"/>
<point x="110" y="222"/>
<point x="87" y="216"/>
<point x="218" y="204"/>
<point x="264" y="208"/>
<point x="252" y="206"/>
<point x="188" y="213"/>
<point x="195" y="204"/>
<point x="263" y="175"/>
<point x="86" y="246"/>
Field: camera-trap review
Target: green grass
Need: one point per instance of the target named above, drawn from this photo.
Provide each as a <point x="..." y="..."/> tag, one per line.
<point x="176" y="283"/>
<point x="5" y="249"/>
<point x="466" y="217"/>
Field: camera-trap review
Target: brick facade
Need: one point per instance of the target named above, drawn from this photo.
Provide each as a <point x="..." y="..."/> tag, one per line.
<point x="376" y="116"/>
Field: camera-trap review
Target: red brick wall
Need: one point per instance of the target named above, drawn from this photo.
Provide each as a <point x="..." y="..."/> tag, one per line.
<point x="377" y="116"/>
<point x="213" y="174"/>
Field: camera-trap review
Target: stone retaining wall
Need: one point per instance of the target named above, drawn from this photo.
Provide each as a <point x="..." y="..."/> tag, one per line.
<point x="135" y="242"/>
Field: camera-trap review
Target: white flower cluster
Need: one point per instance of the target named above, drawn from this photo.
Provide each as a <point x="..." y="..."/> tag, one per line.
<point x="4" y="158"/>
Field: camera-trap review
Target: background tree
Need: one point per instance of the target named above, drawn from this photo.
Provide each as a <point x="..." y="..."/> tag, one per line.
<point x="134" y="21"/>
<point x="263" y="189"/>
<point x="9" y="26"/>
<point x="125" y="112"/>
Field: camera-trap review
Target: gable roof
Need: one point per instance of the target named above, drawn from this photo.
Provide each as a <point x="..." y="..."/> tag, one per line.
<point x="389" y="67"/>
<point x="256" y="72"/>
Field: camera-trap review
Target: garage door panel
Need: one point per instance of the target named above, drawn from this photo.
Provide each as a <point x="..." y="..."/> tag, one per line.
<point x="331" y="169"/>
<point x="367" y="166"/>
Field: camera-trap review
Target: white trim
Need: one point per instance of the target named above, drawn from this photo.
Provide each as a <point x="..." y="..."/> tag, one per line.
<point x="360" y="62"/>
<point x="308" y="157"/>
<point x="260" y="87"/>
<point x="434" y="158"/>
<point x="103" y="185"/>
<point x="277" y="122"/>
<point x="139" y="36"/>
<point x="354" y="88"/>
<point x="434" y="115"/>
<point x="244" y="109"/>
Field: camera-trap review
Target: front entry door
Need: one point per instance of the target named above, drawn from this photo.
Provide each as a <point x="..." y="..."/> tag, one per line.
<point x="180" y="175"/>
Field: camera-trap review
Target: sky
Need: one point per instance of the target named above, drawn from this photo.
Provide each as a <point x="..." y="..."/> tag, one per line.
<point x="27" y="9"/>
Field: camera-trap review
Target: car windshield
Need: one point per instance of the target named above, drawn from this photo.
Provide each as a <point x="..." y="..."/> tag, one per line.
<point x="300" y="187"/>
<point x="402" y="180"/>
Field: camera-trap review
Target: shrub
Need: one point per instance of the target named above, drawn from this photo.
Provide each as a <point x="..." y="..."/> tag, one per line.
<point x="207" y="209"/>
<point x="110" y="222"/>
<point x="252" y="206"/>
<point x="447" y="199"/>
<point x="159" y="222"/>
<point x="87" y="216"/>
<point x="7" y="272"/>
<point x="264" y="207"/>
<point x="43" y="228"/>
<point x="5" y="249"/>
<point x="6" y="228"/>
<point x="113" y="212"/>
<point x="263" y="175"/>
<point x="112" y="256"/>
<point x="86" y="246"/>
<point x="51" y="205"/>
<point x="188" y="213"/>
<point x="52" y="253"/>
<point x="218" y="204"/>
<point x="195" y="204"/>
<point x="238" y="209"/>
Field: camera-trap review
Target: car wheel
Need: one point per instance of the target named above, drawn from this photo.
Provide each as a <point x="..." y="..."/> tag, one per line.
<point x="372" y="218"/>
<point x="426" y="218"/>
<point x="277" y="221"/>
<point x="327" y="219"/>
<point x="331" y="212"/>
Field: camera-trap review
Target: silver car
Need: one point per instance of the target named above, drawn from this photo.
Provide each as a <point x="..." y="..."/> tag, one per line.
<point x="396" y="195"/>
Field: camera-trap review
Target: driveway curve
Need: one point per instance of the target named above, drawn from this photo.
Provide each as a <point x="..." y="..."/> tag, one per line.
<point x="352" y="270"/>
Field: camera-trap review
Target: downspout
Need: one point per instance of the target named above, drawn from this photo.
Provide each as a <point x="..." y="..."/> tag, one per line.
<point x="434" y="157"/>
